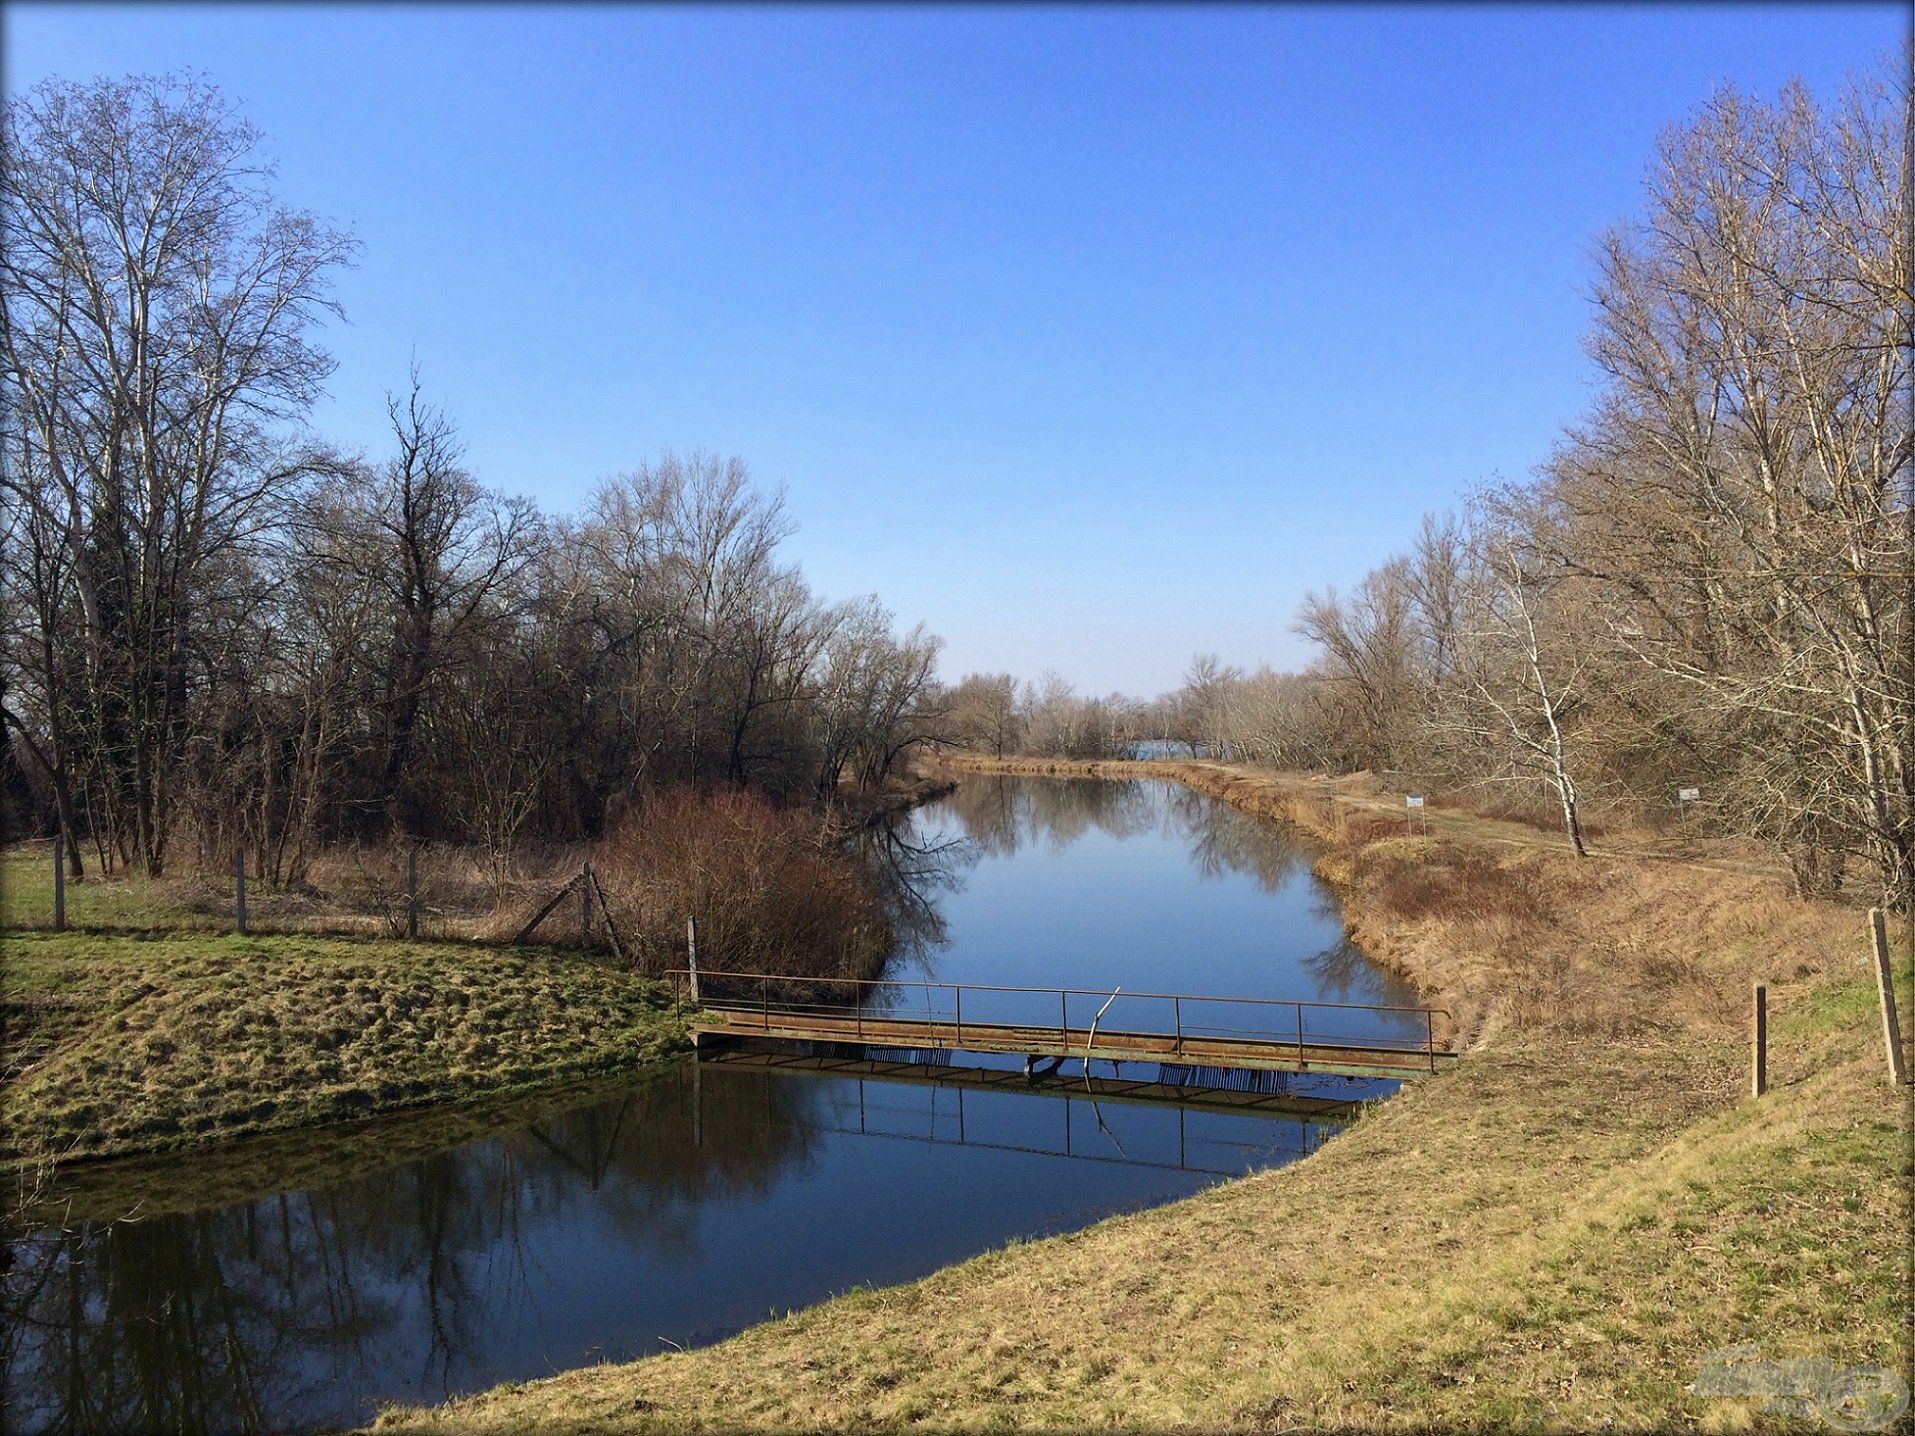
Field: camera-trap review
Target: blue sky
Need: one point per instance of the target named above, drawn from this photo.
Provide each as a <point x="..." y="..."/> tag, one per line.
<point x="1092" y="338"/>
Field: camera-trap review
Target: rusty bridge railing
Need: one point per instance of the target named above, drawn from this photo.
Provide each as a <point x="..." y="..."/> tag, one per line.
<point x="941" y="1009"/>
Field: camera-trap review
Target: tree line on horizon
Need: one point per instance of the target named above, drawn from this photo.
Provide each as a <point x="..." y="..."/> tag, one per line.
<point x="1709" y="585"/>
<point x="217" y="629"/>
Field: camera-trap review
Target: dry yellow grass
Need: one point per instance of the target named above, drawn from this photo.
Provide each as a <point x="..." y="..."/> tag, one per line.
<point x="1555" y="1235"/>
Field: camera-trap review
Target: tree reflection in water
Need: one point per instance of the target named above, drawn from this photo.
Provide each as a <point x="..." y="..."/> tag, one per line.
<point x="300" y="1282"/>
<point x="911" y="869"/>
<point x="285" y="1309"/>
<point x="1000" y="815"/>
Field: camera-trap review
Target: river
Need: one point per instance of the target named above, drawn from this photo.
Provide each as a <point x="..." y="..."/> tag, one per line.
<point x="301" y="1282"/>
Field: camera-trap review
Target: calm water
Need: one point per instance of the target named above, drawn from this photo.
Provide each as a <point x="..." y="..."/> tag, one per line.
<point x="299" y="1284"/>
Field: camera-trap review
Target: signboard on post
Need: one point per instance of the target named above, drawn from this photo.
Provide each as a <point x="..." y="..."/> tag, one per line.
<point x="1688" y="795"/>
<point x="1413" y="800"/>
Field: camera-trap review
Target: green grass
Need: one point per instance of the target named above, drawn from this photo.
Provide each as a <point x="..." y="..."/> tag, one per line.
<point x="125" y="901"/>
<point x="1850" y="1006"/>
<point x="119" y="1044"/>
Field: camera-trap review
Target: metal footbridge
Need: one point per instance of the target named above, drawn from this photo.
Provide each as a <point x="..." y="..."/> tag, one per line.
<point x="1349" y="1039"/>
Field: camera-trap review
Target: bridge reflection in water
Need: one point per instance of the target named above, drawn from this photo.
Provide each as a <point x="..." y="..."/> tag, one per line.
<point x="296" y="1283"/>
<point x="1294" y="1123"/>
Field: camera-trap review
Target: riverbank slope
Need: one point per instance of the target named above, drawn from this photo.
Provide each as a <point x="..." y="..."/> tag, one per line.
<point x="1558" y="1233"/>
<point x="141" y="1030"/>
<point x="125" y="1044"/>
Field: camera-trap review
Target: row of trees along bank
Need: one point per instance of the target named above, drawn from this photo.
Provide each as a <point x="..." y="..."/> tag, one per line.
<point x="217" y="628"/>
<point x="1710" y="583"/>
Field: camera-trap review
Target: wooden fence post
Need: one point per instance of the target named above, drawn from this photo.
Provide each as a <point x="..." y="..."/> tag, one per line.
<point x="1759" y="1044"/>
<point x="239" y="887"/>
<point x="1885" y="987"/>
<point x="412" y="893"/>
<point x="59" y="881"/>
<point x="585" y="905"/>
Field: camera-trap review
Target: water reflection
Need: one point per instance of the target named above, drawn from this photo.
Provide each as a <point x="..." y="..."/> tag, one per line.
<point x="395" y="1281"/>
<point x="1001" y="815"/>
<point x="299" y="1283"/>
<point x="1149" y="885"/>
<point x="912" y="868"/>
<point x="674" y="1212"/>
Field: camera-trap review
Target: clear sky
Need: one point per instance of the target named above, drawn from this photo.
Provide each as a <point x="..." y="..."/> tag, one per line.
<point x="1090" y="337"/>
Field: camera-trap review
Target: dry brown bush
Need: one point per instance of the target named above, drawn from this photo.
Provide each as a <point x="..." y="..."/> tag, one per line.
<point x="773" y="889"/>
<point x="1407" y="880"/>
<point x="1357" y="829"/>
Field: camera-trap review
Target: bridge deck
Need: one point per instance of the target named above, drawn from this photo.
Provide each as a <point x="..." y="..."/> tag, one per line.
<point x="1348" y="1059"/>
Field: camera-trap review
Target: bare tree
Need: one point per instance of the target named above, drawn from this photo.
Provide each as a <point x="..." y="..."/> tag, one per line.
<point x="156" y="306"/>
<point x="1201" y="702"/>
<point x="505" y="760"/>
<point x="444" y="554"/>
<point x="1742" y="482"/>
<point x="1368" y="648"/>
<point x="984" y="712"/>
<point x="1516" y="668"/>
<point x="37" y="681"/>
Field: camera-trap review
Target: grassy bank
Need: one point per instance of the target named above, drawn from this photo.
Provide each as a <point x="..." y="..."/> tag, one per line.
<point x="121" y="1044"/>
<point x="150" y="1026"/>
<point x="1556" y="1234"/>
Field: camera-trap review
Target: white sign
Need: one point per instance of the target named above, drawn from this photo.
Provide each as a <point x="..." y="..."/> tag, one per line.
<point x="1688" y="795"/>
<point x="1413" y="800"/>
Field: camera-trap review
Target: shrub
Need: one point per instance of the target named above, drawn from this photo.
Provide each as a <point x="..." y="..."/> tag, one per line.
<point x="1441" y="880"/>
<point x="773" y="890"/>
<point x="1361" y="829"/>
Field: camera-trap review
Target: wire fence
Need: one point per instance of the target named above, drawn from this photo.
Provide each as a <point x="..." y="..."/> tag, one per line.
<point x="432" y="892"/>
